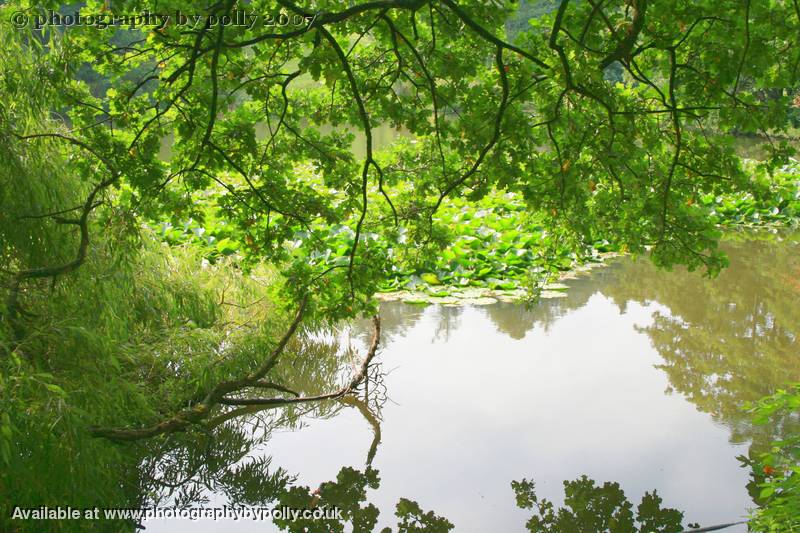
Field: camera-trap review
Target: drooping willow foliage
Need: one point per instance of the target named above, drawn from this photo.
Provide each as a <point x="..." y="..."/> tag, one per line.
<point x="139" y="329"/>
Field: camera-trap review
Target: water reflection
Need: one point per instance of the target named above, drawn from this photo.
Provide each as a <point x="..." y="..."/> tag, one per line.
<point x="472" y="398"/>
<point x="723" y="341"/>
<point x="225" y="465"/>
<point x="730" y="340"/>
<point x="512" y="320"/>
<point x="592" y="507"/>
<point x="223" y="462"/>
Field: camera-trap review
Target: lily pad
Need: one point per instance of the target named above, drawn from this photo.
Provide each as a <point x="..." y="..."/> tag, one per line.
<point x="473" y="292"/>
<point x="439" y="293"/>
<point x="553" y="294"/>
<point x="391" y="296"/>
<point x="479" y="301"/>
<point x="416" y="301"/>
<point x="447" y="300"/>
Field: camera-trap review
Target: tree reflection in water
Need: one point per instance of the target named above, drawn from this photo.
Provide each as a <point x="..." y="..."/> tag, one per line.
<point x="224" y="458"/>
<point x="723" y="342"/>
<point x="189" y="466"/>
<point x="184" y="469"/>
<point x="591" y="507"/>
<point x="729" y="340"/>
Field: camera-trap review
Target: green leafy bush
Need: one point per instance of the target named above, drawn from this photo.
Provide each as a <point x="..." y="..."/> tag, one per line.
<point x="779" y="468"/>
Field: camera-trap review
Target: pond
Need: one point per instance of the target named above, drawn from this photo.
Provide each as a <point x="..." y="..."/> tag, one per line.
<point x="635" y="376"/>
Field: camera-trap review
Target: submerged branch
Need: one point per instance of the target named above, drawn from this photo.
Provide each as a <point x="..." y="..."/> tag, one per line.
<point x="342" y="392"/>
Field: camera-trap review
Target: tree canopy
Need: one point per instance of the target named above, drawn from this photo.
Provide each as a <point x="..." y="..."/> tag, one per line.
<point x="260" y="120"/>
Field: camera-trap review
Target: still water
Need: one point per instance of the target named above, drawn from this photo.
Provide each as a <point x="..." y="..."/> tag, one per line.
<point x="636" y="376"/>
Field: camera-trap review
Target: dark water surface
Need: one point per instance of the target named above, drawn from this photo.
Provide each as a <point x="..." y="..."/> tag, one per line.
<point x="636" y="376"/>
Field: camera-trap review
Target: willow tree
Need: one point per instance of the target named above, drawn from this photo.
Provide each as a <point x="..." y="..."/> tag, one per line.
<point x="610" y="118"/>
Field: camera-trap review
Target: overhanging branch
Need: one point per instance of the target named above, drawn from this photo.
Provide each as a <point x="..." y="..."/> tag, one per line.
<point x="219" y="395"/>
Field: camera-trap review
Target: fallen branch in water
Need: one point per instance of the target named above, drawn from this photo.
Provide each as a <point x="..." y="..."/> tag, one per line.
<point x="350" y="387"/>
<point x="219" y="395"/>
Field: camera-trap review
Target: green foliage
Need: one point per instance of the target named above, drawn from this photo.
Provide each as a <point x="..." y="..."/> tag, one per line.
<point x="775" y="200"/>
<point x="527" y="10"/>
<point x="494" y="242"/>
<point x="561" y="143"/>
<point x="590" y="508"/>
<point x="119" y="343"/>
<point x="139" y="329"/>
<point x="31" y="172"/>
<point x="778" y="469"/>
<point x="260" y="122"/>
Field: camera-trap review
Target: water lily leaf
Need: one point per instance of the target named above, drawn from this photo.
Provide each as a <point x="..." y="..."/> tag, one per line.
<point x="479" y="301"/>
<point x="552" y="294"/>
